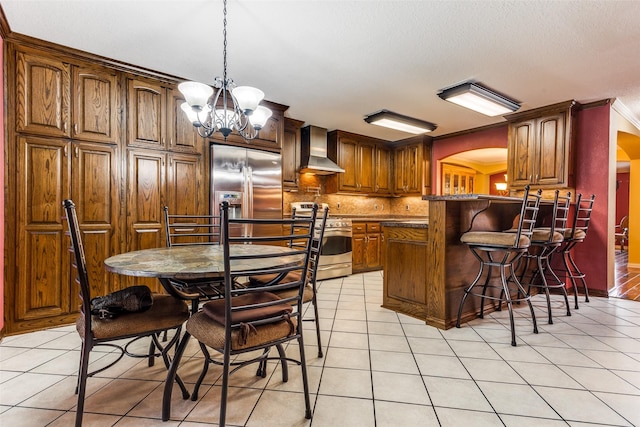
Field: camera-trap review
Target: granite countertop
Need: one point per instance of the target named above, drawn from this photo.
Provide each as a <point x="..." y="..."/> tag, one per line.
<point x="406" y="223"/>
<point x="374" y="217"/>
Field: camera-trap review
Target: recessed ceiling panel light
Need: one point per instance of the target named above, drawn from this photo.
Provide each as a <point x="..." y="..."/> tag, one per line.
<point x="396" y="121"/>
<point x="480" y="99"/>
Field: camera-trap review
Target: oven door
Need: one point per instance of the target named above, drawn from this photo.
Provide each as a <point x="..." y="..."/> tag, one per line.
<point x="335" y="257"/>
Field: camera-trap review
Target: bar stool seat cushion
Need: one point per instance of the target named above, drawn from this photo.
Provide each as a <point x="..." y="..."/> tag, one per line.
<point x="495" y="239"/>
<point x="578" y="235"/>
<point x="541" y="235"/>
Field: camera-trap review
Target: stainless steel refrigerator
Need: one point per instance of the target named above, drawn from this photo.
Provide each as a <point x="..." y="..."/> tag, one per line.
<point x="251" y="181"/>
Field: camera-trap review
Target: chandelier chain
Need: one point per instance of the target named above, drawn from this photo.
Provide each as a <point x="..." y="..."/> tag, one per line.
<point x="224" y="45"/>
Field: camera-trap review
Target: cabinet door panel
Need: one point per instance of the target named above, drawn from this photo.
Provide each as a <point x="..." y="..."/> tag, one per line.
<point x="347" y="155"/>
<point x="95" y="110"/>
<point x="42" y="95"/>
<point x="185" y="190"/>
<point x="383" y="171"/>
<point x="145" y="189"/>
<point x="522" y="150"/>
<point x="183" y="136"/>
<point x="366" y="164"/>
<point x="358" y="254"/>
<point x="146" y="113"/>
<point x="42" y="285"/>
<point x="373" y="251"/>
<point x="551" y="149"/>
<point x="414" y="169"/>
<point x="94" y="190"/>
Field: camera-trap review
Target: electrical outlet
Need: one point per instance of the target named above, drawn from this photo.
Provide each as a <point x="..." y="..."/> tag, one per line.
<point x="338" y="205"/>
<point x="375" y="207"/>
<point x="406" y="207"/>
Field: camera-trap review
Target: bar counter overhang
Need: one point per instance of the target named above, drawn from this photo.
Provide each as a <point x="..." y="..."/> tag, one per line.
<point x="427" y="268"/>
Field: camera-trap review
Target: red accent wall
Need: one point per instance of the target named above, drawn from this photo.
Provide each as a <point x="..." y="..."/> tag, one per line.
<point x="2" y="166"/>
<point x="592" y="177"/>
<point x="495" y="137"/>
<point x="622" y="196"/>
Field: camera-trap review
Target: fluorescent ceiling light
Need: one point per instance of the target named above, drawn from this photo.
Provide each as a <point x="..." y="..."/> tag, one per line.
<point x="480" y="99"/>
<point x="396" y="121"/>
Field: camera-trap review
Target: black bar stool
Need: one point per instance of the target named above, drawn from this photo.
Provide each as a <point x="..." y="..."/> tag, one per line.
<point x="503" y="250"/>
<point x="574" y="235"/>
<point x="544" y="242"/>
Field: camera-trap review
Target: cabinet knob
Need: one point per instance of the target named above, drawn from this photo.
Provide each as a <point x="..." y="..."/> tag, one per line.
<point x="75" y="128"/>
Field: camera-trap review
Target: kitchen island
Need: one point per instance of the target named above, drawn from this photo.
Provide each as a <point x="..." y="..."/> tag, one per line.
<point x="426" y="267"/>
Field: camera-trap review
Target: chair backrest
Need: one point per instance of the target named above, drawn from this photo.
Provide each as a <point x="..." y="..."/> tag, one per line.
<point x="624" y="225"/>
<point x="317" y="241"/>
<point x="528" y="215"/>
<point x="79" y="263"/>
<point x="181" y="230"/>
<point x="582" y="217"/>
<point x="282" y="260"/>
<point x="560" y="216"/>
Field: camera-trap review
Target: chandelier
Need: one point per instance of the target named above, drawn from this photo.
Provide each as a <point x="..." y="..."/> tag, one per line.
<point x="209" y="114"/>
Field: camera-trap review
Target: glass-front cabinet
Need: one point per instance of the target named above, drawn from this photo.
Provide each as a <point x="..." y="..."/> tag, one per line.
<point x="457" y="180"/>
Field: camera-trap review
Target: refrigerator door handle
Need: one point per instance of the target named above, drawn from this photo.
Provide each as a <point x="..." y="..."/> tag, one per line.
<point x="249" y="198"/>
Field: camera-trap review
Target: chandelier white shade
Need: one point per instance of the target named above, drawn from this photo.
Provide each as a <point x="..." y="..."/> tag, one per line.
<point x="480" y="99"/>
<point x="231" y="108"/>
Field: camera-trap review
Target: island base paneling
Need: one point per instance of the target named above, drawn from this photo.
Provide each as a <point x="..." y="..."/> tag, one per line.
<point x="427" y="268"/>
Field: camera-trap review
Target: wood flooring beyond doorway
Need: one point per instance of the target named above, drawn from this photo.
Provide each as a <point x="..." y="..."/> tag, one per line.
<point x="627" y="280"/>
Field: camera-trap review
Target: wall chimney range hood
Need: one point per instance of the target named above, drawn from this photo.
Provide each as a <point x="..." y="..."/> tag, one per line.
<point x="314" y="152"/>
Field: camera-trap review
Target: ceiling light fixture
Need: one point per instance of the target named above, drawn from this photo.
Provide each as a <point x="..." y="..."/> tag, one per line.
<point x="480" y="99"/>
<point x="209" y="115"/>
<point x="397" y="121"/>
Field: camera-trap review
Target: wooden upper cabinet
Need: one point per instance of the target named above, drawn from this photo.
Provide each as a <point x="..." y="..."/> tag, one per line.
<point x="366" y="164"/>
<point x="146" y="113"/>
<point x="291" y="152"/>
<point x="540" y="147"/>
<point x="358" y="155"/>
<point x="42" y="95"/>
<point x="384" y="167"/>
<point x="408" y="169"/>
<point x="95" y="105"/>
<point x="183" y="136"/>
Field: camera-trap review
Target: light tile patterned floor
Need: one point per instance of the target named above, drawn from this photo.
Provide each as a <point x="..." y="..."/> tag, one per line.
<point x="380" y="369"/>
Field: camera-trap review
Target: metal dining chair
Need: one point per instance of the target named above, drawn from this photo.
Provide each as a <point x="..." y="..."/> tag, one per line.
<point x="311" y="290"/>
<point x="165" y="314"/>
<point x="252" y="319"/>
<point x="185" y="230"/>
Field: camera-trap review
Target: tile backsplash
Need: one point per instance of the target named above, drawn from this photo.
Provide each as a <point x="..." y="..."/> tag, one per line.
<point x="311" y="189"/>
<point x="360" y="205"/>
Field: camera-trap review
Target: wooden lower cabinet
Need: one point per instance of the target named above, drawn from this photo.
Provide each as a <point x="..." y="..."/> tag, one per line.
<point x="44" y="292"/>
<point x="366" y="246"/>
<point x="405" y="271"/>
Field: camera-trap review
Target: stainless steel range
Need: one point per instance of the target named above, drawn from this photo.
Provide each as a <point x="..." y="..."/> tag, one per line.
<point x="335" y="257"/>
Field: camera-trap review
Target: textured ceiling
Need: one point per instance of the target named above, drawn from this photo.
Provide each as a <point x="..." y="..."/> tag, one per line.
<point x="333" y="62"/>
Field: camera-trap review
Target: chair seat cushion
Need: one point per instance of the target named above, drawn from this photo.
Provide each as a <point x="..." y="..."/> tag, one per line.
<point x="290" y="293"/>
<point x="166" y="312"/>
<point x="216" y="309"/>
<point x="264" y="279"/>
<point x="211" y="333"/>
<point x="495" y="239"/>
